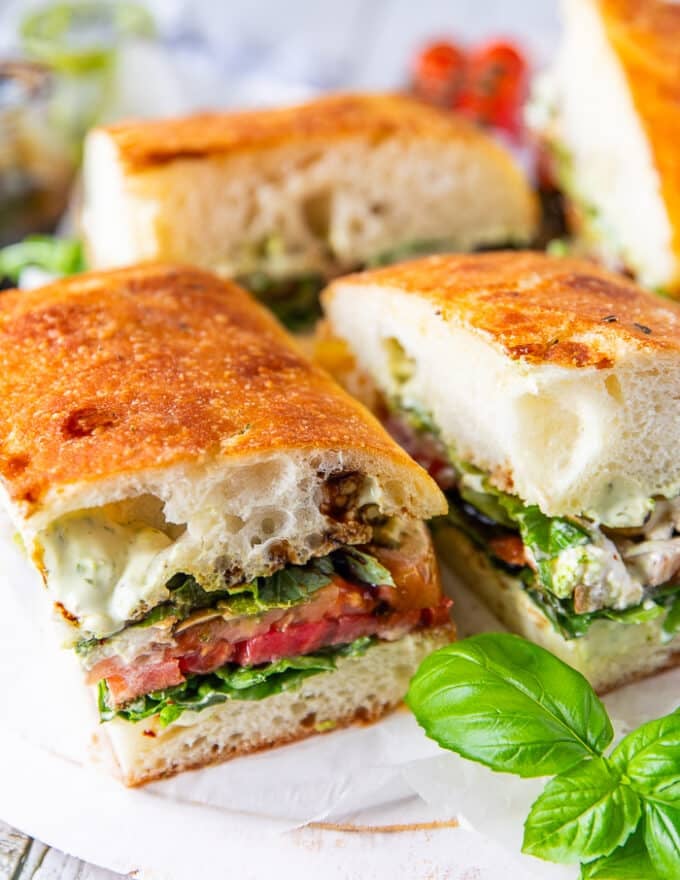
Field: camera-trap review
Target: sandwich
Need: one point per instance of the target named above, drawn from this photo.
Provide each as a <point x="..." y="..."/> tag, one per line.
<point x="608" y="113"/>
<point x="282" y="200"/>
<point x="543" y="395"/>
<point x="233" y="546"/>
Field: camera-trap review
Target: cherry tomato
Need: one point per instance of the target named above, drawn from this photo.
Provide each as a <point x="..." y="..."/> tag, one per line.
<point x="438" y="73"/>
<point x="496" y="86"/>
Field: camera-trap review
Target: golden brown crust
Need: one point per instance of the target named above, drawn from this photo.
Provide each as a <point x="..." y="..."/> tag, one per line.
<point x="538" y="308"/>
<point x="117" y="372"/>
<point x="646" y="37"/>
<point x="148" y="144"/>
<point x="672" y="662"/>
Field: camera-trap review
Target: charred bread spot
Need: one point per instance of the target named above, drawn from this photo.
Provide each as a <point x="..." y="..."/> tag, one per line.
<point x="71" y="618"/>
<point x="16" y="465"/>
<point x="86" y="421"/>
<point x="576" y="354"/>
<point x="31" y="494"/>
<point x="151" y="733"/>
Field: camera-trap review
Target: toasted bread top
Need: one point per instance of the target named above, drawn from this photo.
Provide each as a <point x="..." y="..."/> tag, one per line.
<point x="540" y="309"/>
<point x="646" y="37"/>
<point x="152" y="143"/>
<point x="114" y="373"/>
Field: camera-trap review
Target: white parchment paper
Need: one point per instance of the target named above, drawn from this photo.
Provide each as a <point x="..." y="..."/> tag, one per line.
<point x="55" y="783"/>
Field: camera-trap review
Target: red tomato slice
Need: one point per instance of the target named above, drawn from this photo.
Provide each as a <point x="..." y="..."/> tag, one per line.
<point x="438" y="73"/>
<point x="496" y="86"/>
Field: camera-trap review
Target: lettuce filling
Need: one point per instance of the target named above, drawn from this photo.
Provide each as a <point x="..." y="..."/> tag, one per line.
<point x="231" y="682"/>
<point x="575" y="571"/>
<point x="290" y="586"/>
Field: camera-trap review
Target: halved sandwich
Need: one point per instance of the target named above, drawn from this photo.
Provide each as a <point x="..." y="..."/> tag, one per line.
<point x="234" y="547"/>
<point x="543" y="395"/>
<point x="285" y="199"/>
<point x="609" y="114"/>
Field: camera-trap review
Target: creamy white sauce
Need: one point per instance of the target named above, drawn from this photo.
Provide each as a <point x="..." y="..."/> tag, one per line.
<point x="99" y="569"/>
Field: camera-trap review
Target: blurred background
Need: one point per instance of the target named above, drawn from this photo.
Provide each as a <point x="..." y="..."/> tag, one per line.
<point x="65" y="66"/>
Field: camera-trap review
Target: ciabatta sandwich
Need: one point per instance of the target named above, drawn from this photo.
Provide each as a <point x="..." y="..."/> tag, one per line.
<point x="234" y="547"/>
<point x="284" y="199"/>
<point x="543" y="395"/>
<point x="609" y="113"/>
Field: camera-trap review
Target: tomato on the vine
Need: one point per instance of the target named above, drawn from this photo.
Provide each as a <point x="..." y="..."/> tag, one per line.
<point x="496" y="86"/>
<point x="439" y="73"/>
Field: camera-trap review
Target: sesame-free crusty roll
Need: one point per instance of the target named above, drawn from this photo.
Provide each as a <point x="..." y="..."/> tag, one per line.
<point x="543" y="395"/>
<point x="285" y="198"/>
<point x="218" y="525"/>
<point x="608" y="112"/>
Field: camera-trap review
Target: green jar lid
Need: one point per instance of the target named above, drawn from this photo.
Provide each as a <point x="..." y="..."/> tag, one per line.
<point x="82" y="37"/>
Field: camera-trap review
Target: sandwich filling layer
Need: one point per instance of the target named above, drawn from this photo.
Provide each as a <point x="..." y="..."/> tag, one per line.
<point x="574" y="569"/>
<point x="228" y="637"/>
<point x="294" y="299"/>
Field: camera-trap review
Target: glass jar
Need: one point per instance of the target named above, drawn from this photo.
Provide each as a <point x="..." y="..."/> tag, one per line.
<point x="79" y="43"/>
<point x="36" y="162"/>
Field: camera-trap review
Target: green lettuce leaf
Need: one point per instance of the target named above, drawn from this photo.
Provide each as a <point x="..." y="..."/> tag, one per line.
<point x="229" y="683"/>
<point x="294" y="301"/>
<point x="671" y="624"/>
<point x="59" y="255"/>
<point x="563" y="617"/>
<point x="411" y="249"/>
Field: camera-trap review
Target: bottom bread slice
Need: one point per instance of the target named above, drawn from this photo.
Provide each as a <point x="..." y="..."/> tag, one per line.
<point x="360" y="689"/>
<point x="610" y="654"/>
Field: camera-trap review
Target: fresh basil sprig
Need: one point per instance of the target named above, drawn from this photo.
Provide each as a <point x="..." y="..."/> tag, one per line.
<point x="514" y="707"/>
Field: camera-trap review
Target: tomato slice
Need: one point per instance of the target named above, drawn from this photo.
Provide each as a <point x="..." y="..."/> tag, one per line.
<point x="439" y="73"/>
<point x="496" y="86"/>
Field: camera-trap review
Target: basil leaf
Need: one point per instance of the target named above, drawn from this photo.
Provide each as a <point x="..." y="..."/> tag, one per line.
<point x="509" y="704"/>
<point x="581" y="814"/>
<point x="364" y="567"/>
<point x="160" y="612"/>
<point x="662" y="836"/>
<point x="629" y="862"/>
<point x="284" y="588"/>
<point x="293" y="584"/>
<point x="649" y="757"/>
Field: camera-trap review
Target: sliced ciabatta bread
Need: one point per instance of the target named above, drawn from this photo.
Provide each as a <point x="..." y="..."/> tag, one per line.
<point x="543" y="395"/>
<point x="273" y="196"/>
<point x="609" y="112"/>
<point x="215" y="520"/>
<point x="560" y="378"/>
